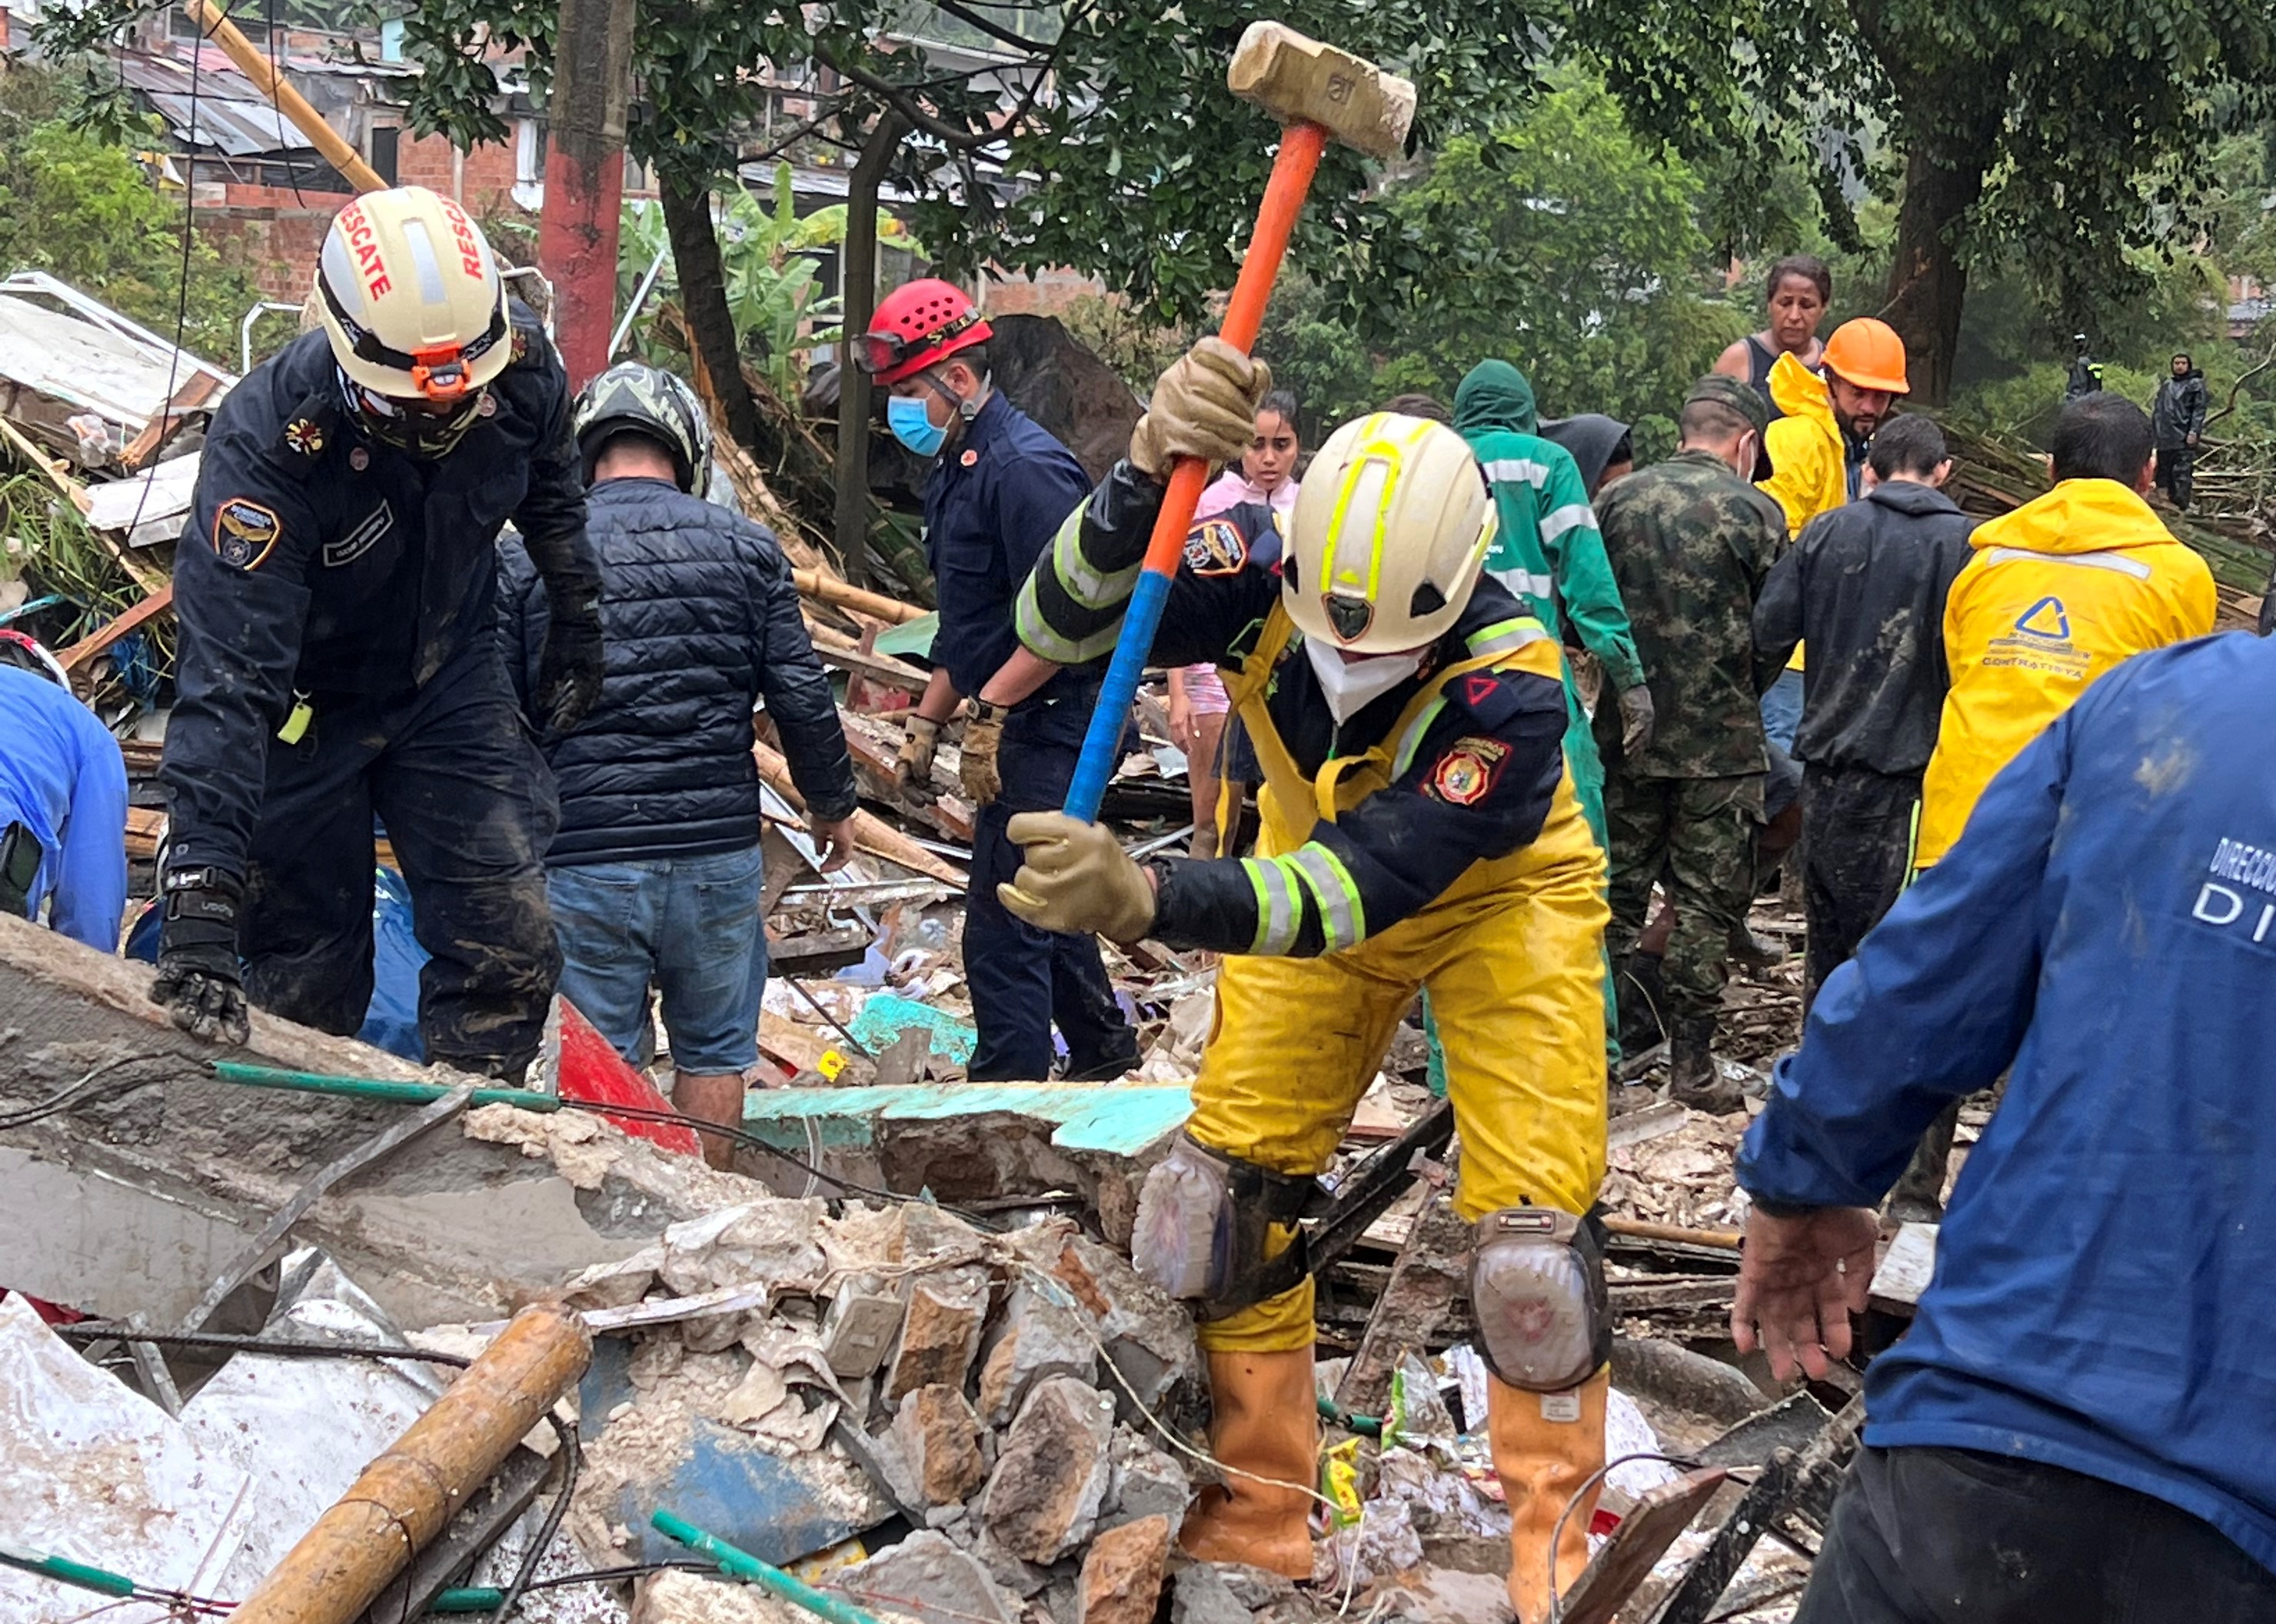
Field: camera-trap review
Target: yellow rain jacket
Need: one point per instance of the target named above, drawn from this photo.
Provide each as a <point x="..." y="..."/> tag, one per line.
<point x="1809" y="464"/>
<point x="2060" y="591"/>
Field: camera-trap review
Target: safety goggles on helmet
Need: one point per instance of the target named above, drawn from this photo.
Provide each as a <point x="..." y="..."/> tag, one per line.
<point x="875" y="352"/>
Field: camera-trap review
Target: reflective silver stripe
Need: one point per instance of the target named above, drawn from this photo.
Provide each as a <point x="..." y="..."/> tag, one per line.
<point x="1506" y="636"/>
<point x="1278" y="914"/>
<point x="1083" y="582"/>
<point x="1037" y="633"/>
<point x="1526" y="583"/>
<point x="2117" y="561"/>
<point x="1517" y="470"/>
<point x="1413" y="739"/>
<point x="1572" y="516"/>
<point x="1343" y="920"/>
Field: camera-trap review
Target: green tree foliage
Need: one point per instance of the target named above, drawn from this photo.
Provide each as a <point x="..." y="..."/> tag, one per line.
<point x="83" y="209"/>
<point x="2066" y="134"/>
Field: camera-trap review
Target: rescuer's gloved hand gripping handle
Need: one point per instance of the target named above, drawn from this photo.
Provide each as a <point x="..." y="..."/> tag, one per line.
<point x="197" y="981"/>
<point x="570" y="668"/>
<point x="1075" y="877"/>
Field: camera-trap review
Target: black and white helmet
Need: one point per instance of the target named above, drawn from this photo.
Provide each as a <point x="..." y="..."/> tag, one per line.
<point x="631" y="398"/>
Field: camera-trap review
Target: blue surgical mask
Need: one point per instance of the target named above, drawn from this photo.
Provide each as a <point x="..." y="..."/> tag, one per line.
<point x="913" y="426"/>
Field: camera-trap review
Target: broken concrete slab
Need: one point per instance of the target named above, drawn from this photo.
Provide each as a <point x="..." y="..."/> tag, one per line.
<point x="1122" y="1574"/>
<point x="1199" y="1595"/>
<point x="940" y="1332"/>
<point x="165" y="1174"/>
<point x="979" y="1141"/>
<point x="927" y="1578"/>
<point x="1148" y="1336"/>
<point x="1042" y="1498"/>
<point x="1142" y="1481"/>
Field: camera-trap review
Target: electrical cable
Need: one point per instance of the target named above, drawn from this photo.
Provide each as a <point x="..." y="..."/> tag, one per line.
<point x="99" y="1329"/>
<point x="189" y="239"/>
<point x="572" y="1464"/>
<point x="64" y="1099"/>
<point x="1557" y="1534"/>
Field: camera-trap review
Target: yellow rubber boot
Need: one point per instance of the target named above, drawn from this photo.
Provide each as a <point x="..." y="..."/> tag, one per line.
<point x="1266" y="1423"/>
<point x="1545" y="1445"/>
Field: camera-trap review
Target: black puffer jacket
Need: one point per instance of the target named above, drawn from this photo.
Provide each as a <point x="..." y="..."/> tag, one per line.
<point x="701" y="620"/>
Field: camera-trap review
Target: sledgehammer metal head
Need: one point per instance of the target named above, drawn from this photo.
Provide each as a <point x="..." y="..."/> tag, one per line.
<point x="1299" y="80"/>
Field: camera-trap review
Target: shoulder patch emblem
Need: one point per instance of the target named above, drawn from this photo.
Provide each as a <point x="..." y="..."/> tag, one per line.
<point x="1468" y="770"/>
<point x="1215" y="547"/>
<point x="1478" y="687"/>
<point x="519" y="344"/>
<point x="305" y="436"/>
<point x="244" y="532"/>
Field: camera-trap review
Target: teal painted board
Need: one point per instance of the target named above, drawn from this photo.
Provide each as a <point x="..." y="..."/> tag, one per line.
<point x="1114" y="1118"/>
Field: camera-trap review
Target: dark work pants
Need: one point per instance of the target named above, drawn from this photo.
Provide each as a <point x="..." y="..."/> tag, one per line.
<point x="2177" y="469"/>
<point x="1023" y="979"/>
<point x="469" y="807"/>
<point x="1856" y="852"/>
<point x="1953" y="1537"/>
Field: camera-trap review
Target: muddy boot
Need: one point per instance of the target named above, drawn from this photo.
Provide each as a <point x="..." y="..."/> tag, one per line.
<point x="1756" y="953"/>
<point x="1642" y="1001"/>
<point x="1919" y="1195"/>
<point x="1693" y="1078"/>
<point x="1267" y="1427"/>
<point x="1547" y="1448"/>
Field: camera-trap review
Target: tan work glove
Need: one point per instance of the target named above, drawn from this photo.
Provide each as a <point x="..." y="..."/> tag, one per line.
<point x="1076" y="877"/>
<point x="976" y="762"/>
<point x="912" y="767"/>
<point x="1204" y="406"/>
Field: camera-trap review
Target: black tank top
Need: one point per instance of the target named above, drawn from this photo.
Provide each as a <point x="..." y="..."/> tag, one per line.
<point x="1760" y="359"/>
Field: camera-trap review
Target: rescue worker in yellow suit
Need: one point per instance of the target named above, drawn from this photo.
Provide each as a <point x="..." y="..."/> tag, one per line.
<point x="1420" y="831"/>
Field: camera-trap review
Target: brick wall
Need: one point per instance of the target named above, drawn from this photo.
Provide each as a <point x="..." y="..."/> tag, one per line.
<point x="1047" y="292"/>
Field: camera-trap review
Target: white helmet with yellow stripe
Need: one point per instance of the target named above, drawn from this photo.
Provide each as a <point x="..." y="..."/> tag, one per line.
<point x="1391" y="529"/>
<point x="409" y="292"/>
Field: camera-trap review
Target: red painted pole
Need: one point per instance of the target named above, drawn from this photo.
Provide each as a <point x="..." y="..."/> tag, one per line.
<point x="585" y="178"/>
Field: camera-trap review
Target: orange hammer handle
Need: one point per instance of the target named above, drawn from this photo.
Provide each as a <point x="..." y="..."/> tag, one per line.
<point x="1299" y="159"/>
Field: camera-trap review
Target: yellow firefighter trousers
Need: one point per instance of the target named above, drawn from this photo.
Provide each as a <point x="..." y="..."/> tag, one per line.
<point x="1511" y="955"/>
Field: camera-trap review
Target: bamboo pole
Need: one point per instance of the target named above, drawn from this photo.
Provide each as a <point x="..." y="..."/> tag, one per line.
<point x="871" y="834"/>
<point x="287" y="101"/>
<point x="830" y="589"/>
<point x="403" y="1499"/>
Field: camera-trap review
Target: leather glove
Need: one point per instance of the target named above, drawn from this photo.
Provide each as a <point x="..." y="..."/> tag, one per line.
<point x="570" y="670"/>
<point x="1637" y="719"/>
<point x="1204" y="406"/>
<point x="976" y="761"/>
<point x="198" y="982"/>
<point x="1075" y="877"/>
<point x="912" y="767"/>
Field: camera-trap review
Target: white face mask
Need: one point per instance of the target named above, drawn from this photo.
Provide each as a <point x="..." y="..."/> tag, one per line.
<point x="1351" y="685"/>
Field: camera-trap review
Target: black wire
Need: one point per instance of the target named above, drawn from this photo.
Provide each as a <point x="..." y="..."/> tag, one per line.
<point x="572" y="1463"/>
<point x="64" y="1099"/>
<point x="96" y="1330"/>
<point x="277" y="65"/>
<point x="182" y="296"/>
<point x="642" y="1113"/>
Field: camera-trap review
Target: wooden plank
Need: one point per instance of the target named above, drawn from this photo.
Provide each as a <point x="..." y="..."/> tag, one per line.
<point x="87" y="647"/>
<point x="1637" y="1545"/>
<point x="146" y="827"/>
<point x="196" y="389"/>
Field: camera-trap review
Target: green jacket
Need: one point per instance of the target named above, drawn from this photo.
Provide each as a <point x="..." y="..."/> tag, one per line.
<point x="1548" y="552"/>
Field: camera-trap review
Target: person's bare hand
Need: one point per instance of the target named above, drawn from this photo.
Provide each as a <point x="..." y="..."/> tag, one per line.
<point x="1181" y="721"/>
<point x="1800" y="1279"/>
<point x="835" y="838"/>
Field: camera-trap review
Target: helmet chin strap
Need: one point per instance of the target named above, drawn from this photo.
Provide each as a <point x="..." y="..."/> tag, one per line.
<point x="966" y="409"/>
<point x="398" y="424"/>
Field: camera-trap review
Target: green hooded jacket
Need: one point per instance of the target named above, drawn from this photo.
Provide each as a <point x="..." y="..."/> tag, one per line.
<point x="1547" y="551"/>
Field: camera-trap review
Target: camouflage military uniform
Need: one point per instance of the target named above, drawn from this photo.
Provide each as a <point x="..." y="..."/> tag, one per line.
<point x="1690" y="544"/>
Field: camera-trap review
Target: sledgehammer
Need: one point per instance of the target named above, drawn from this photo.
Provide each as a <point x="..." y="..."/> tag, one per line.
<point x="1314" y="91"/>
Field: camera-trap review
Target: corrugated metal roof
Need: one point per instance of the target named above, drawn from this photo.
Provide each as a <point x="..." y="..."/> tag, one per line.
<point x="235" y="129"/>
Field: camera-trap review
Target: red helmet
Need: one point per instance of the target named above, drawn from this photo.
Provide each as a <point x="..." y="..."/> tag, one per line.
<point x="916" y="326"/>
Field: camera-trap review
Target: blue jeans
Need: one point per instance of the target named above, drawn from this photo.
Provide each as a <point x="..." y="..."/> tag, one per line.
<point x="688" y="925"/>
<point x="1782" y="709"/>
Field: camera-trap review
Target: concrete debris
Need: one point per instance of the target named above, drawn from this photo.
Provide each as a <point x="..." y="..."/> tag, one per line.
<point x="674" y="1596"/>
<point x="927" y="1578"/>
<point x="1122" y="1576"/>
<point x="938" y="1438"/>
<point x="1200" y="1595"/>
<point x="1142" y="1481"/>
<point x="859" y="1330"/>
<point x="940" y="1332"/>
<point x="1034" y="1338"/>
<point x="1049" y="1481"/>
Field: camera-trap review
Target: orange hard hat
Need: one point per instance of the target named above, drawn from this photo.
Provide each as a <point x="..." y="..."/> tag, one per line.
<point x="1868" y="354"/>
<point x="916" y="326"/>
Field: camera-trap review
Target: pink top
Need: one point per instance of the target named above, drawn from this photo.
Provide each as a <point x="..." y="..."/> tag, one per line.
<point x="1204" y="688"/>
